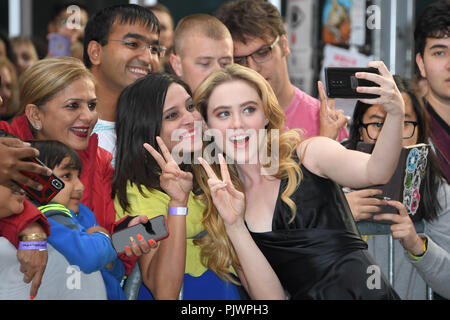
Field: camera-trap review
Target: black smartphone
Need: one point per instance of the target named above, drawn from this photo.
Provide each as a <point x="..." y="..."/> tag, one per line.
<point x="342" y="83"/>
<point x="155" y="229"/>
<point x="51" y="185"/>
<point x="380" y="197"/>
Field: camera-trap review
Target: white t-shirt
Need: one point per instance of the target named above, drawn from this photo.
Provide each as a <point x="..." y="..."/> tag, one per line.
<point x="61" y="281"/>
<point x="106" y="131"/>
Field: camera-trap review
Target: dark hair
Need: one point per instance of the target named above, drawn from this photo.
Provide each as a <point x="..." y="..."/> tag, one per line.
<point x="138" y="121"/>
<point x="434" y="174"/>
<point x="433" y="23"/>
<point x="251" y="19"/>
<point x="99" y="27"/>
<point x="52" y="153"/>
<point x="361" y="109"/>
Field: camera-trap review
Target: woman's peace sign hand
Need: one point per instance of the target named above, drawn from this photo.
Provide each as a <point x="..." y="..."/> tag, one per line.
<point x="229" y="202"/>
<point x="175" y="182"/>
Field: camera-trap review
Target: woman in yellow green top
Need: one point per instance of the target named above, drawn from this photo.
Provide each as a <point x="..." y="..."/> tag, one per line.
<point x="158" y="111"/>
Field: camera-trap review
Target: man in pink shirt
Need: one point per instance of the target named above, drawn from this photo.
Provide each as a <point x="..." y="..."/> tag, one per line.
<point x="260" y="43"/>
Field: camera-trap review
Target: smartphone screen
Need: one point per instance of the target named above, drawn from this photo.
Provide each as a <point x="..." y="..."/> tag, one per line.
<point x="342" y="83"/>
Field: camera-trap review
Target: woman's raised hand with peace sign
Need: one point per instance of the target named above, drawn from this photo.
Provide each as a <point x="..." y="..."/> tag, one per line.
<point x="229" y="202"/>
<point x="175" y="182"/>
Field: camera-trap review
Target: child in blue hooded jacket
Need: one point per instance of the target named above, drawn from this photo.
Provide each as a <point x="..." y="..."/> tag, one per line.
<point x="74" y="231"/>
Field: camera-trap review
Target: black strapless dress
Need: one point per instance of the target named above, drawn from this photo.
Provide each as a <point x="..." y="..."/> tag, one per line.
<point x="320" y="255"/>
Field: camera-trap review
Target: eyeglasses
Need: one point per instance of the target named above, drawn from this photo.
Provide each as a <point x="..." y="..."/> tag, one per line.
<point x="261" y="55"/>
<point x="160" y="51"/>
<point x="373" y="129"/>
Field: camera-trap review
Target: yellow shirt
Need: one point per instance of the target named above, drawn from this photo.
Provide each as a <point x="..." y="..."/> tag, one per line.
<point x="154" y="203"/>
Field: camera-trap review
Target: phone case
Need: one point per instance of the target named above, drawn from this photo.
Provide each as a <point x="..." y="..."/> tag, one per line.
<point x="51" y="185"/>
<point x="155" y="229"/>
<point x="407" y="182"/>
<point x="342" y="83"/>
<point x="59" y="45"/>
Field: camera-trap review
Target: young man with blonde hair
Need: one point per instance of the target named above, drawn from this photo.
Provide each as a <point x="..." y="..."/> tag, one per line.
<point x="202" y="45"/>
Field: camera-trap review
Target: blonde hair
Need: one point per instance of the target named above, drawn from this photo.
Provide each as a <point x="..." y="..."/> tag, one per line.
<point x="45" y="78"/>
<point x="199" y="24"/>
<point x="217" y="250"/>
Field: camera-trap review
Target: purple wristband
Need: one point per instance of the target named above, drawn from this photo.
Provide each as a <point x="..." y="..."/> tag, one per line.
<point x="178" y="211"/>
<point x="33" y="245"/>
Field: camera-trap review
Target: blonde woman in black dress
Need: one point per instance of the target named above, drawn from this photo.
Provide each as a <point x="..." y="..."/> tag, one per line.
<point x="290" y="230"/>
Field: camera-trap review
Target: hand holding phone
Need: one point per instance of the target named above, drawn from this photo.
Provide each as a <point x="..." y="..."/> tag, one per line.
<point x="51" y="184"/>
<point x="155" y="229"/>
<point x="12" y="165"/>
<point x="342" y="83"/>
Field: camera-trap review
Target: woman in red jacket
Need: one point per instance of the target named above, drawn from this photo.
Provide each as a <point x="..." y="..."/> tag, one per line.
<point x="57" y="102"/>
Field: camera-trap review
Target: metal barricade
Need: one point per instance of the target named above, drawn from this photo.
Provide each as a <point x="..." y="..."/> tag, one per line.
<point x="134" y="280"/>
<point x="133" y="284"/>
<point x="373" y="229"/>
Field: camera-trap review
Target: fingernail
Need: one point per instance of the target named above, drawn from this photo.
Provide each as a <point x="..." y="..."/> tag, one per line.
<point x="127" y="248"/>
<point x="151" y="242"/>
<point x="131" y="239"/>
<point x="31" y="297"/>
<point x="139" y="237"/>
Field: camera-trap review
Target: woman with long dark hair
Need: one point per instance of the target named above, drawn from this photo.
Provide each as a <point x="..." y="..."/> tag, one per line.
<point x="434" y="208"/>
<point x="157" y="111"/>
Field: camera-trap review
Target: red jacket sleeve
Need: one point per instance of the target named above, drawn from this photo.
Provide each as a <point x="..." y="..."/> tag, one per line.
<point x="12" y="226"/>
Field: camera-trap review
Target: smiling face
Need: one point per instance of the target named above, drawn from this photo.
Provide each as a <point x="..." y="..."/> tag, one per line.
<point x="199" y="57"/>
<point x="122" y="63"/>
<point x="11" y="200"/>
<point x="70" y="196"/>
<point x="236" y="119"/>
<point x="178" y="121"/>
<point x="69" y="117"/>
